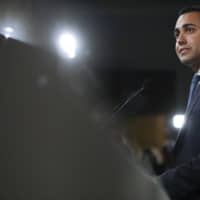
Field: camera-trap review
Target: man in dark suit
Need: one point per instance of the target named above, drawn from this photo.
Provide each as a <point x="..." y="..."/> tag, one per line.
<point x="183" y="181"/>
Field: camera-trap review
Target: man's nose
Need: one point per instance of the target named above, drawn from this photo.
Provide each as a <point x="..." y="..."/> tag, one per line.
<point x="181" y="39"/>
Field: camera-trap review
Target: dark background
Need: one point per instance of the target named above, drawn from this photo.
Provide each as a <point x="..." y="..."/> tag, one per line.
<point x="122" y="43"/>
<point x="45" y="135"/>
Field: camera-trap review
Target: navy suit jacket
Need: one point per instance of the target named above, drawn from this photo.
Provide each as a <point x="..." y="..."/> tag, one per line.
<point x="183" y="180"/>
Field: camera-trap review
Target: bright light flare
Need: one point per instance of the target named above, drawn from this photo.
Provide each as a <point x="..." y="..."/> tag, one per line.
<point x="7" y="35"/>
<point x="178" y="121"/>
<point x="68" y="43"/>
<point x="8" y="31"/>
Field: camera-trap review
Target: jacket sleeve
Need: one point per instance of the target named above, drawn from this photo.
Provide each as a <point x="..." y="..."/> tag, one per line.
<point x="181" y="181"/>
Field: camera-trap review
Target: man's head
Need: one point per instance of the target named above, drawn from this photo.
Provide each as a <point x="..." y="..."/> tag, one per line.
<point x="187" y="34"/>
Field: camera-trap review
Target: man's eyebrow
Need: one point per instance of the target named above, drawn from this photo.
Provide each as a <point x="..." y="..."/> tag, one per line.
<point x="186" y="25"/>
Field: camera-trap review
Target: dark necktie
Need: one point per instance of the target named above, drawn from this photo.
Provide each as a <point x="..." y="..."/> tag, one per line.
<point x="195" y="80"/>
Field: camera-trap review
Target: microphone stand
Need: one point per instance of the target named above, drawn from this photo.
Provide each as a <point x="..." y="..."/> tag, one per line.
<point x="133" y="95"/>
<point x="116" y="136"/>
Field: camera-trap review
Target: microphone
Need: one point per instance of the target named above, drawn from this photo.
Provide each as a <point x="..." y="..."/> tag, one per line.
<point x="119" y="107"/>
<point x="132" y="96"/>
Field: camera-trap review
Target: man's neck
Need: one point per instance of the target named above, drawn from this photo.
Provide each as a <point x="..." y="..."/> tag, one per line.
<point x="195" y="68"/>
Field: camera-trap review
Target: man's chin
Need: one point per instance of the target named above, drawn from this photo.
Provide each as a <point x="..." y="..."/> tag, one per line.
<point x="193" y="64"/>
<point x="187" y="61"/>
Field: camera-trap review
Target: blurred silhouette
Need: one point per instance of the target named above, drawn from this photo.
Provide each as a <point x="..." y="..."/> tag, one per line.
<point x="51" y="146"/>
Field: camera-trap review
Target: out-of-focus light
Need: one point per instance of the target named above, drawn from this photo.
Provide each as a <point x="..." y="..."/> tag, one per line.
<point x="16" y="27"/>
<point x="178" y="121"/>
<point x="68" y="44"/>
<point x="8" y="31"/>
<point x="7" y="35"/>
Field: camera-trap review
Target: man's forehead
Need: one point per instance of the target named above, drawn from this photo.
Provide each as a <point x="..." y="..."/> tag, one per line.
<point x="188" y="18"/>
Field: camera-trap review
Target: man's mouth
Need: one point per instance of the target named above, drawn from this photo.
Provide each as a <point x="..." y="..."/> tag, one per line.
<point x="183" y="50"/>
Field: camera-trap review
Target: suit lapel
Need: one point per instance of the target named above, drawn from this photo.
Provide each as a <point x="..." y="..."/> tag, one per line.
<point x="189" y="109"/>
<point x="194" y="100"/>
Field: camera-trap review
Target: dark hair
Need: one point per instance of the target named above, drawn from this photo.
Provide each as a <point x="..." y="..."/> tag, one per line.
<point x="189" y="9"/>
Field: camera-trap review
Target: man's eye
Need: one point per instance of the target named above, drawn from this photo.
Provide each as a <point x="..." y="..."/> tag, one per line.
<point x="190" y="30"/>
<point x="176" y="34"/>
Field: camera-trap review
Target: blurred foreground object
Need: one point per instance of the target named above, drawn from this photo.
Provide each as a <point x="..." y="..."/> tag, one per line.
<point x="51" y="148"/>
